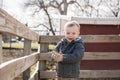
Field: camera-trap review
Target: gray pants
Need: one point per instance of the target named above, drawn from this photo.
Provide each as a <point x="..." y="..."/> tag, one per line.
<point x="60" y="78"/>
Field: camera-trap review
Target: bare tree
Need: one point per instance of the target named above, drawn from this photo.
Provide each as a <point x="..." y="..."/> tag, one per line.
<point x="61" y="6"/>
<point x="41" y="5"/>
<point x="114" y="6"/>
<point x="88" y="8"/>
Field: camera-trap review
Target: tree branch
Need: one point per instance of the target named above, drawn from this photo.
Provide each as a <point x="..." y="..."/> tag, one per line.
<point x="40" y="25"/>
<point x="72" y="2"/>
<point x="44" y="26"/>
<point x="36" y="11"/>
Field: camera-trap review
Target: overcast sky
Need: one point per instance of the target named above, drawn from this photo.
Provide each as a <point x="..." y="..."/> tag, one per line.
<point x="13" y="6"/>
<point x="16" y="9"/>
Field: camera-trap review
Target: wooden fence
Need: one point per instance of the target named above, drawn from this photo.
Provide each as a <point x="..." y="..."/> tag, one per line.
<point x="101" y="37"/>
<point x="11" y="69"/>
<point x="94" y="56"/>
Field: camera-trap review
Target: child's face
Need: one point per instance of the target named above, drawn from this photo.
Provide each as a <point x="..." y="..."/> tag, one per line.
<point x="71" y="33"/>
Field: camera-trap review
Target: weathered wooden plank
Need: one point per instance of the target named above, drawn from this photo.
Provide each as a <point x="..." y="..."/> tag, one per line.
<point x="102" y="56"/>
<point x="42" y="64"/>
<point x="9" y="70"/>
<point x="27" y="47"/>
<point x="89" y="56"/>
<point x="86" y="38"/>
<point x="26" y="51"/>
<point x="45" y="56"/>
<point x="12" y="26"/>
<point x="49" y="39"/>
<point x="100" y="73"/>
<point x="48" y="74"/>
<point x="98" y="21"/>
<point x="101" y="38"/>
<point x="1" y="57"/>
<point x="2" y="20"/>
<point x="86" y="74"/>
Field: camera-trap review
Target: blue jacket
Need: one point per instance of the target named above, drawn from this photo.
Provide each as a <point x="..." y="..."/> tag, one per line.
<point x="72" y="55"/>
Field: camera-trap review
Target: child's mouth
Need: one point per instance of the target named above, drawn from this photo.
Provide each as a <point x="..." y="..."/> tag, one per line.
<point x="70" y="38"/>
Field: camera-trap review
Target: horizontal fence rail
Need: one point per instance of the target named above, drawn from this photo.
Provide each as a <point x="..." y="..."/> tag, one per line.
<point x="11" y="69"/>
<point x="10" y="25"/>
<point x="86" y="74"/>
<point x="98" y="21"/>
<point x="89" y="56"/>
<point x="86" y="38"/>
<point x="104" y="56"/>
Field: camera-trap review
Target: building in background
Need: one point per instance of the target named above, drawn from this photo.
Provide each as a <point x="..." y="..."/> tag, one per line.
<point x="91" y="25"/>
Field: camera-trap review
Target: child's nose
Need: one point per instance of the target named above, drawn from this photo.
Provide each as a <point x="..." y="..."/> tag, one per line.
<point x="70" y="34"/>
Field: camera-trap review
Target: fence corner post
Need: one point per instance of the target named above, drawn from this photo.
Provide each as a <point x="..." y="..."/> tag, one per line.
<point x="42" y="64"/>
<point x="1" y="56"/>
<point x="27" y="51"/>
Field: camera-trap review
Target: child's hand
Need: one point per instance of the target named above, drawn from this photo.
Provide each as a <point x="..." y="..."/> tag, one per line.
<point x="57" y="56"/>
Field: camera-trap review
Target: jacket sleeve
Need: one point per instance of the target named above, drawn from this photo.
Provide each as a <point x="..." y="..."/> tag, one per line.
<point x="76" y="56"/>
<point x="57" y="48"/>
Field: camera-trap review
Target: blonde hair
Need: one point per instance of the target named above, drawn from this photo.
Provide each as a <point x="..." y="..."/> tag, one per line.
<point x="71" y="24"/>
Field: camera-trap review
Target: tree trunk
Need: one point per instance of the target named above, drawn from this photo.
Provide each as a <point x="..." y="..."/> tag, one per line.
<point x="50" y="23"/>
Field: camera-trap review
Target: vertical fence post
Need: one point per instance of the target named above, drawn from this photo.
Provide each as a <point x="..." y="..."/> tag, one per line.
<point x="42" y="64"/>
<point x="27" y="51"/>
<point x="1" y="48"/>
<point x="1" y="5"/>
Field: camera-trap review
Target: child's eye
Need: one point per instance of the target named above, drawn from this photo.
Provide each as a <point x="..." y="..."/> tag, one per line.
<point x="73" y="33"/>
<point x="68" y="33"/>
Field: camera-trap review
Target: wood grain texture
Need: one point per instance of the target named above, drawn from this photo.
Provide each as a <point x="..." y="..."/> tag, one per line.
<point x="1" y="55"/>
<point x="86" y="39"/>
<point x="42" y="64"/>
<point x="86" y="74"/>
<point x="9" y="70"/>
<point x="10" y="25"/>
<point x="89" y="56"/>
<point x="27" y="51"/>
<point x="2" y="20"/>
<point x="98" y="21"/>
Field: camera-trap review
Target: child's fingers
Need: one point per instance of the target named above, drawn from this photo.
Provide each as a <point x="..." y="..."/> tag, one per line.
<point x="59" y="59"/>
